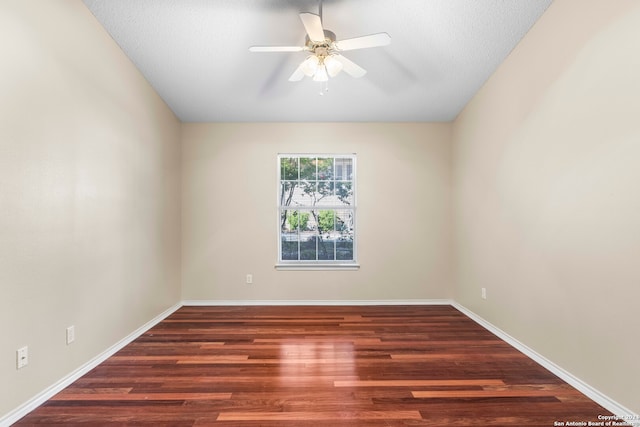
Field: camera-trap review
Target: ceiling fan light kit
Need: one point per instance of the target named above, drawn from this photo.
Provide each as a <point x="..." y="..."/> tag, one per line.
<point x="325" y="59"/>
<point x="333" y="65"/>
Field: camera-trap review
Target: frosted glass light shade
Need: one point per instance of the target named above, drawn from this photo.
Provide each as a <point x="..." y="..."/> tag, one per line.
<point x="310" y="65"/>
<point x="321" y="74"/>
<point x="333" y="66"/>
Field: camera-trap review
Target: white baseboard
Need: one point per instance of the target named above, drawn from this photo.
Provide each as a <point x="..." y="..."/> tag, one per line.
<point x="624" y="413"/>
<point x="52" y="390"/>
<point x="317" y="302"/>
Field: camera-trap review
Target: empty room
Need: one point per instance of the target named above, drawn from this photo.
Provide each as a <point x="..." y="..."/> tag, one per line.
<point x="194" y="227"/>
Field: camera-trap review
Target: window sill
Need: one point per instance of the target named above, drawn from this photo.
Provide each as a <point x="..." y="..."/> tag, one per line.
<point x="314" y="266"/>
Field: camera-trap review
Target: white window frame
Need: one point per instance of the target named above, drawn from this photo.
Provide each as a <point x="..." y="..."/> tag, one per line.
<point x="317" y="264"/>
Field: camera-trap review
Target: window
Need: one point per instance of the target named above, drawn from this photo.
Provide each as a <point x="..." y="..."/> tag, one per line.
<point x="316" y="206"/>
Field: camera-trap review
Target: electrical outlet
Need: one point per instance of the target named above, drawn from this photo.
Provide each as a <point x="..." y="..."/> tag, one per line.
<point x="249" y="279"/>
<point x="483" y="293"/>
<point x="22" y="357"/>
<point x="71" y="334"/>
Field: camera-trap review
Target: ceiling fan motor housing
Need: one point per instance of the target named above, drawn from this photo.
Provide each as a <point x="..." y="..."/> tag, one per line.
<point x="324" y="48"/>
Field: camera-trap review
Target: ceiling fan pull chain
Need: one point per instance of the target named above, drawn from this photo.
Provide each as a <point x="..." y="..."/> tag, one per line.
<point x="324" y="88"/>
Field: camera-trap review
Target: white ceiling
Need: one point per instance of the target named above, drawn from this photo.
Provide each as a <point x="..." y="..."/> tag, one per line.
<point x="195" y="54"/>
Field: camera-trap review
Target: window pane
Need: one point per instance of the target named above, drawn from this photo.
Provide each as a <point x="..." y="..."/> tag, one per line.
<point x="299" y="196"/>
<point x="324" y="169"/>
<point x="289" y="248"/>
<point x="307" y="193"/>
<point x="326" y="234"/>
<point x="344" y="193"/>
<point x="344" y="169"/>
<point x="296" y="221"/>
<point x="307" y="168"/>
<point x="289" y="234"/>
<point x="344" y="231"/>
<point x="288" y="168"/>
<point x="344" y="250"/>
<point x="283" y="220"/>
<point x="326" y="221"/>
<point x="326" y="249"/>
<point x="308" y="246"/>
<point x="287" y="189"/>
<point x="325" y="194"/>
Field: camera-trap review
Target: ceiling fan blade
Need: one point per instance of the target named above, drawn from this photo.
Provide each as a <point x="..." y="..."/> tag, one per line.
<point x="298" y="74"/>
<point x="276" y="49"/>
<point x="313" y="25"/>
<point x="373" y="40"/>
<point x="350" y="67"/>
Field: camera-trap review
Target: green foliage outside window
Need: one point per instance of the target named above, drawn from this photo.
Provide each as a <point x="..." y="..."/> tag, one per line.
<point x="325" y="221"/>
<point x="298" y="220"/>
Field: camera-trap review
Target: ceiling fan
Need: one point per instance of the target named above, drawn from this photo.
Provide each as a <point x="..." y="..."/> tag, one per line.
<point x="325" y="59"/>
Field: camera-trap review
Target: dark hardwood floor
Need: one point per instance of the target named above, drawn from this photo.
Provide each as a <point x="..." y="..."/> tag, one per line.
<point x="317" y="366"/>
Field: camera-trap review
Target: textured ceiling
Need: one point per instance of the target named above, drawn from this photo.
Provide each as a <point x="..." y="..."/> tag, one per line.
<point x="195" y="54"/>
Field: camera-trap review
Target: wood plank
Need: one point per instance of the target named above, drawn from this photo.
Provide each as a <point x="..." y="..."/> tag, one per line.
<point x="319" y="416"/>
<point x="456" y="356"/>
<point x="140" y="396"/>
<point x="416" y="383"/>
<point x="183" y="358"/>
<point x="438" y="394"/>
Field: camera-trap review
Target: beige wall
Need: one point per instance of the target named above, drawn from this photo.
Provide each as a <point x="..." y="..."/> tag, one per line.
<point x="229" y="220"/>
<point x="547" y="194"/>
<point x="89" y="194"/>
